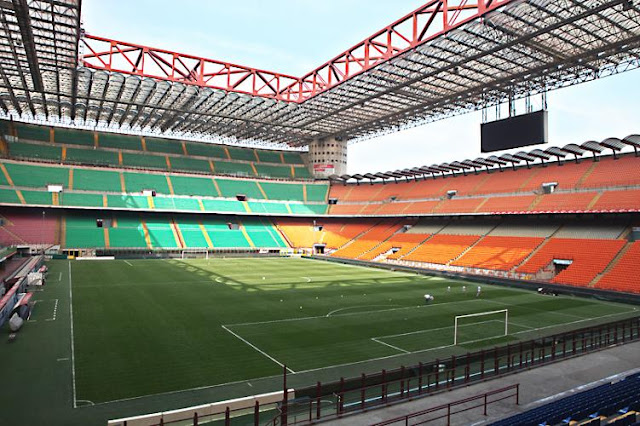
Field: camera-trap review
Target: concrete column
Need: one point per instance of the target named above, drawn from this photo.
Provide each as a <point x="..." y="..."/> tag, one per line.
<point x="328" y="157"/>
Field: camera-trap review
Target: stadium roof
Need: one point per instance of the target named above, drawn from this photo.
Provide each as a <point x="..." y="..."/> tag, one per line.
<point x="445" y="58"/>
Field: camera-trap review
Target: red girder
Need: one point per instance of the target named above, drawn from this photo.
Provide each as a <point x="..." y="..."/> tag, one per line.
<point x="431" y="20"/>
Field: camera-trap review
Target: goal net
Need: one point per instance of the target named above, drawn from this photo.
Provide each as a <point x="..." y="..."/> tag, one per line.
<point x="480" y="326"/>
<point x="195" y="253"/>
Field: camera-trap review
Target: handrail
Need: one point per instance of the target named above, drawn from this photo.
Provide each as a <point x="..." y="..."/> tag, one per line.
<point x="485" y="397"/>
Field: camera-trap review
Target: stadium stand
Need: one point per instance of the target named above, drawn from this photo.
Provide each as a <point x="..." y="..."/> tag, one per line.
<point x="498" y="253"/>
<point x="121" y="188"/>
<point x="625" y="274"/>
<point x="586" y="259"/>
<point x="501" y="191"/>
<point x="442" y="248"/>
<point x="109" y="149"/>
<point x="369" y="240"/>
<point x="607" y="403"/>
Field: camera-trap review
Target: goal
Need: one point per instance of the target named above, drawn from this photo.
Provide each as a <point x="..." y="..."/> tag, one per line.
<point x="480" y="326"/>
<point x="195" y="253"/>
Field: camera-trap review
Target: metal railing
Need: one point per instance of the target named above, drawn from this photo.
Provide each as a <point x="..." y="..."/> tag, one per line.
<point x="446" y="411"/>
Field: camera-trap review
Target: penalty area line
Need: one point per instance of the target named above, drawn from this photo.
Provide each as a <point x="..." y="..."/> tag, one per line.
<point x="128" y="263"/>
<point x="259" y="350"/>
<point x="391" y="346"/>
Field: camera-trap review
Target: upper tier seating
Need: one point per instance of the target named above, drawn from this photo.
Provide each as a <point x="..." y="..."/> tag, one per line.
<point x="589" y="258"/>
<point x="122" y="189"/>
<point x="520" y="189"/>
<point x="441" y="248"/>
<point x="108" y="149"/>
<point x="499" y="253"/>
<point x="625" y="275"/>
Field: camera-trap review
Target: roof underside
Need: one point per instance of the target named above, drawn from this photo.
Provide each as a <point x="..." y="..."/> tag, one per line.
<point x="521" y="47"/>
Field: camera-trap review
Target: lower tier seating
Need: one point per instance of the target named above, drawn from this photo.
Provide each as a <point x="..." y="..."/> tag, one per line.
<point x="584" y="259"/>
<point x="369" y="240"/>
<point x="442" y="248"/>
<point x="499" y="253"/>
<point x="625" y="275"/>
<point x="123" y="230"/>
<point x="603" y="401"/>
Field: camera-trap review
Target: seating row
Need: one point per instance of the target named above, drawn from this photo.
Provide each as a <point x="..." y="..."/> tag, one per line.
<point x="607" y="172"/>
<point x="92" y="139"/>
<point x="603" y="201"/>
<point x="127" y="230"/>
<point x="145" y="160"/>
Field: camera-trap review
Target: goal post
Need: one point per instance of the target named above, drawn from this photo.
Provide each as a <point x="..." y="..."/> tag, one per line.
<point x="195" y="253"/>
<point x="503" y="314"/>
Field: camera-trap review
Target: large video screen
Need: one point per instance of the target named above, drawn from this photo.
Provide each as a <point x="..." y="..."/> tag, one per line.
<point x="514" y="132"/>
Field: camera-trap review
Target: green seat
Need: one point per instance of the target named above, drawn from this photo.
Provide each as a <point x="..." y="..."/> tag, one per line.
<point x="275" y="208"/>
<point x="302" y="173"/>
<point x="96" y="180"/>
<point x="147" y="161"/>
<point x="41" y="198"/>
<point x="97" y="157"/>
<point x="33" y="151"/>
<point x="9" y="196"/>
<point x="37" y="176"/>
<point x="77" y="199"/>
<point x="126" y="201"/>
<point x="283" y="191"/>
<point x="189" y="164"/>
<point x="176" y="203"/>
<point x="137" y="182"/>
<point x="113" y="140"/>
<point x="229" y="168"/>
<point x="308" y="209"/>
<point x="274" y="171"/>
<point x="34" y="133"/>
<point x="230" y="188"/>
<point x="127" y="233"/>
<point x="3" y="180"/>
<point x="262" y="233"/>
<point x="73" y="137"/>
<point x="192" y="235"/>
<point x="269" y="156"/>
<point x="168" y="146"/>
<point x="186" y="185"/>
<point x="292" y="157"/>
<point x="160" y="233"/>
<point x="223" y="237"/>
<point x="245" y="154"/>
<point x="317" y="192"/>
<point x="223" y="206"/>
<point x="82" y="232"/>
<point x="205" y="150"/>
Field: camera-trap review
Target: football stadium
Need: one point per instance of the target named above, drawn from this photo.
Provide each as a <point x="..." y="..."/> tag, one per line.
<point x="183" y="240"/>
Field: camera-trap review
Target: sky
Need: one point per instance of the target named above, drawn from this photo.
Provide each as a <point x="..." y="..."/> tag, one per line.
<point x="295" y="36"/>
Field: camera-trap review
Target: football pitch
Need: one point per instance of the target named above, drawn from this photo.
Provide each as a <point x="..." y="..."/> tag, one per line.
<point x="144" y="327"/>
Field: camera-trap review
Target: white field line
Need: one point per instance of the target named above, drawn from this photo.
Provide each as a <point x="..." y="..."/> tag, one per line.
<point x="364" y="306"/>
<point x="60" y="277"/>
<point x="449" y="346"/>
<point x="308" y="279"/>
<point x="347" y="314"/>
<point x="391" y="346"/>
<point x="259" y="350"/>
<point x="115" y="401"/>
<point x="432" y="329"/>
<point x="73" y="351"/>
<point x="128" y="263"/>
<point x="55" y="312"/>
<point x="534" y="309"/>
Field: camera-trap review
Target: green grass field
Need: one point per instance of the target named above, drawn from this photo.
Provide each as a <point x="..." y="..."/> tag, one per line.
<point x="144" y="327"/>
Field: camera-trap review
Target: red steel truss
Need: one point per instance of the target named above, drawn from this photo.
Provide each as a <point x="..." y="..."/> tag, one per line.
<point x="431" y="20"/>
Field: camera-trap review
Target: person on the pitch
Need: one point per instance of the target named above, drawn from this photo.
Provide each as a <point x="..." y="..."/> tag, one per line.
<point x="479" y="291"/>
